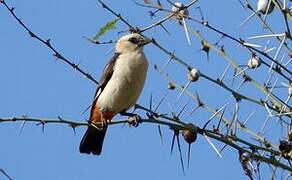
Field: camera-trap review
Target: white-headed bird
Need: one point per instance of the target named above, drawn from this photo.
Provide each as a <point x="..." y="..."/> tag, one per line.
<point x="121" y="84"/>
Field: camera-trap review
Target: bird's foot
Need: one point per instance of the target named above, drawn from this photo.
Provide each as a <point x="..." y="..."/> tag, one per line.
<point x="134" y="120"/>
<point x="104" y="123"/>
<point x="101" y="125"/>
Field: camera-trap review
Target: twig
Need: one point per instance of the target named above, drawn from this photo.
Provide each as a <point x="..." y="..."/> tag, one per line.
<point x="47" y="43"/>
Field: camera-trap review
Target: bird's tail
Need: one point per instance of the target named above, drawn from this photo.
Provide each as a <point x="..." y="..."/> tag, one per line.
<point x="92" y="140"/>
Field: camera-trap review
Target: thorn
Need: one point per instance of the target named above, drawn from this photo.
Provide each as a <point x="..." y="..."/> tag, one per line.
<point x="220" y="120"/>
<point x="225" y="71"/>
<point x="240" y="72"/>
<point x="168" y="61"/>
<point x="73" y="128"/>
<point x="217" y="42"/>
<point x="278" y="51"/>
<point x="31" y="34"/>
<point x="172" y="112"/>
<point x="150" y="103"/>
<point x="93" y="41"/>
<point x="183" y="90"/>
<point x="234" y="73"/>
<point x="266" y="36"/>
<point x="153" y="114"/>
<point x="225" y="145"/>
<point x="103" y="5"/>
<point x="175" y="133"/>
<point x="22" y="126"/>
<point x="167" y="32"/>
<point x="43" y="127"/>
<point x="160" y="134"/>
<point x="160" y="102"/>
<point x="201" y="14"/>
<point x="58" y="56"/>
<point x="252" y="45"/>
<point x="200" y="103"/>
<point x="60" y="119"/>
<point x="186" y="30"/>
<point x="189" y="154"/>
<point x="242" y="4"/>
<point x="268" y="110"/>
<point x="215" y="114"/>
<point x="180" y="154"/>
<point x="213" y="146"/>
<point x="48" y="42"/>
<point x="245" y="21"/>
<point x="234" y="118"/>
<point x="270" y="92"/>
<point x="192" y="111"/>
<point x="183" y="108"/>
<point x="159" y="3"/>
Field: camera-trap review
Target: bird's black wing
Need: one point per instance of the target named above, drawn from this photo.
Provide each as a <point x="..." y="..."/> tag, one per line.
<point x="106" y="75"/>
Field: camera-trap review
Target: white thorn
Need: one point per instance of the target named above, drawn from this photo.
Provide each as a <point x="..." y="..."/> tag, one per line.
<point x="266" y="36"/>
<point x="213" y="146"/>
<point x="183" y="90"/>
<point x="240" y="72"/>
<point x="186" y="30"/>
<point x="267" y="108"/>
<point x="252" y="45"/>
<point x="218" y="111"/>
<point x="245" y="21"/>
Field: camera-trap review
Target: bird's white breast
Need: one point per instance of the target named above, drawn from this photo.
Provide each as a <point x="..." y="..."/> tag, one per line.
<point x="126" y="83"/>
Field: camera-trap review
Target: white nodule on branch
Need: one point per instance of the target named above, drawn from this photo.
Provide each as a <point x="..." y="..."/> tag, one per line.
<point x="254" y="62"/>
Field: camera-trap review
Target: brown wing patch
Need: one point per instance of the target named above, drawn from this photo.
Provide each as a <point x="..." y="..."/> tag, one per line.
<point x="95" y="114"/>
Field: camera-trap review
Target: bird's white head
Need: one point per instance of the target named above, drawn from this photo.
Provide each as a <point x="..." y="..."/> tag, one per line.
<point x="131" y="42"/>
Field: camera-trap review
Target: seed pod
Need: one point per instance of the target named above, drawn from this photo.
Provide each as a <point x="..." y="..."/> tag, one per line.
<point x="189" y="136"/>
<point x="194" y="75"/>
<point x="246" y="164"/>
<point x="182" y="13"/>
<point x="286" y="149"/>
<point x="254" y="62"/>
<point x="244" y="157"/>
<point x="265" y="6"/>
<point x="290" y="89"/>
<point x="171" y="86"/>
<point x="290" y="136"/>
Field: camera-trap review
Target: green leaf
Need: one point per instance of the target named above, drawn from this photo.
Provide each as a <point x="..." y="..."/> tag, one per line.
<point x="108" y="26"/>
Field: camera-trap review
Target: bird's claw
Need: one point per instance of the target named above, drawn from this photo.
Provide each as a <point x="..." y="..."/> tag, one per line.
<point x="134" y="120"/>
<point x="104" y="123"/>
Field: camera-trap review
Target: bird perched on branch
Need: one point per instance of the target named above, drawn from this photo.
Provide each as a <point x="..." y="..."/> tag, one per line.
<point x="120" y="86"/>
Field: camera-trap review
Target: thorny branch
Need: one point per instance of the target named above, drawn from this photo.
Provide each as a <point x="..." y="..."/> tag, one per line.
<point x="275" y="99"/>
<point x="266" y="152"/>
<point x="5" y="174"/>
<point x="173" y="124"/>
<point x="48" y="44"/>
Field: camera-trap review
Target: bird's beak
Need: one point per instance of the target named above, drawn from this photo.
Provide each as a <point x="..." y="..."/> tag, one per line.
<point x="144" y="41"/>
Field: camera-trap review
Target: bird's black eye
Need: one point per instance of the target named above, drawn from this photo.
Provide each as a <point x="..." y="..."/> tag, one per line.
<point x="134" y="40"/>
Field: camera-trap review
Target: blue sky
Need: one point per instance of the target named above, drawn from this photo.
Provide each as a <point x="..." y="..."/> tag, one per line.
<point x="34" y="83"/>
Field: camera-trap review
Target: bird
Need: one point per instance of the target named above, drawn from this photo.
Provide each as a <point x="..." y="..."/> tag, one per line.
<point x="120" y="86"/>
